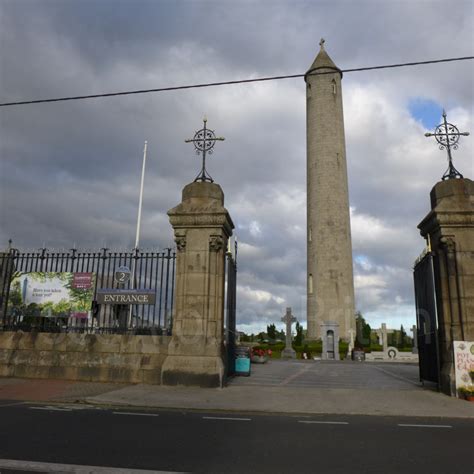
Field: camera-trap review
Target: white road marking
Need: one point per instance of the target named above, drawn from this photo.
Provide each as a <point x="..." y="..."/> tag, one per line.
<point x="72" y="468"/>
<point x="225" y="418"/>
<point x="56" y="407"/>
<point x="12" y="404"/>
<point x="50" y="408"/>
<point x="324" y="422"/>
<point x="131" y="413"/>
<point x="424" y="426"/>
<point x="82" y="407"/>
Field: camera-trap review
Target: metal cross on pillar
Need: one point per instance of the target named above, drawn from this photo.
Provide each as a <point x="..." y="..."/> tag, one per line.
<point x="288" y="319"/>
<point x="447" y="135"/>
<point x="204" y="141"/>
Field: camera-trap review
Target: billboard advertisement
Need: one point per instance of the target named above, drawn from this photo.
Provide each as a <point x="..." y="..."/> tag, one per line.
<point x="51" y="294"/>
<point x="464" y="365"/>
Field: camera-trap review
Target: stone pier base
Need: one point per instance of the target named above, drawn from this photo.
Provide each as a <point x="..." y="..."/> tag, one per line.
<point x="193" y="370"/>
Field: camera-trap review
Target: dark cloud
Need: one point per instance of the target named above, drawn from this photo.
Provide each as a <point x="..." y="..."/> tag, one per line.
<point x="70" y="171"/>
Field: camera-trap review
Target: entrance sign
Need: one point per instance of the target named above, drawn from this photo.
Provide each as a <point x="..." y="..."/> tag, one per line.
<point x="114" y="296"/>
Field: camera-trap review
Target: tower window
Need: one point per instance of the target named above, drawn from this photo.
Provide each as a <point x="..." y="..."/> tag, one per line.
<point x="310" y="234"/>
<point x="310" y="283"/>
<point x="334" y="87"/>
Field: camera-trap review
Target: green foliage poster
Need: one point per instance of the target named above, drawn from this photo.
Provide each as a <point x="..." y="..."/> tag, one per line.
<point x="51" y="294"/>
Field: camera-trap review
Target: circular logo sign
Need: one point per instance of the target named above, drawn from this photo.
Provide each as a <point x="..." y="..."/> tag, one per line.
<point x="122" y="275"/>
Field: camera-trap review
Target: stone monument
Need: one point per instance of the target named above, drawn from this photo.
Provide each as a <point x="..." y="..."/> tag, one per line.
<point x="330" y="339"/>
<point x="382" y="334"/>
<point x="449" y="230"/>
<point x="330" y="290"/>
<point x="202" y="227"/>
<point x="288" y="352"/>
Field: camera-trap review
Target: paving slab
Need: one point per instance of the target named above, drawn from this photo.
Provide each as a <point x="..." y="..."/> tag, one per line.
<point x="333" y="374"/>
<point x="306" y="387"/>
<point x="280" y="399"/>
<point x="48" y="390"/>
<point x="292" y="387"/>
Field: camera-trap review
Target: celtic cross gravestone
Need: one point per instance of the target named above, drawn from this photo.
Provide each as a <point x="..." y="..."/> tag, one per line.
<point x="288" y="352"/>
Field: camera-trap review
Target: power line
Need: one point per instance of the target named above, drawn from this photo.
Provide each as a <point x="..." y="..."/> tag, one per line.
<point x="226" y="83"/>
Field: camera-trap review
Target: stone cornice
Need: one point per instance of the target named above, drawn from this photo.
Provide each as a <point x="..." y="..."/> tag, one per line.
<point x="186" y="220"/>
<point x="436" y="219"/>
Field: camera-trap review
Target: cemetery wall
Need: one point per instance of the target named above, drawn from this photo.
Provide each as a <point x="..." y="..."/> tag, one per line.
<point x="83" y="357"/>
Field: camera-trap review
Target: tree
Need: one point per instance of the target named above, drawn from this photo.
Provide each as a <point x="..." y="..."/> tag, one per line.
<point x="299" y="334"/>
<point x="280" y="334"/>
<point x="271" y="331"/>
<point x="14" y="298"/>
<point x="363" y="331"/>
<point x="403" y="337"/>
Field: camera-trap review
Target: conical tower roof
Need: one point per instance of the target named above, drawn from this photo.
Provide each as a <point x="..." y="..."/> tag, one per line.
<point x="322" y="61"/>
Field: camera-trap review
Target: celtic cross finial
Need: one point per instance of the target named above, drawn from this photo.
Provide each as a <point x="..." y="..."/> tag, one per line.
<point x="321" y="43"/>
<point x="447" y="135"/>
<point x="204" y="141"/>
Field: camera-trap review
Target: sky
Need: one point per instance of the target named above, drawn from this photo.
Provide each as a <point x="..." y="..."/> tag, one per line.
<point x="70" y="171"/>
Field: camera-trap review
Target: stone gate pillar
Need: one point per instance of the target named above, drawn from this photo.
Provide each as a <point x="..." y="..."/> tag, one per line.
<point x="202" y="227"/>
<point x="450" y="227"/>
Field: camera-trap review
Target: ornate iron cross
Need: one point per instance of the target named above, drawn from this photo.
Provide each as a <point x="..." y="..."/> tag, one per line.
<point x="204" y="141"/>
<point x="447" y="135"/>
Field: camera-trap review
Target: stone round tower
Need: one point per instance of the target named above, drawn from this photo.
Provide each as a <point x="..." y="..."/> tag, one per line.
<point x="330" y="291"/>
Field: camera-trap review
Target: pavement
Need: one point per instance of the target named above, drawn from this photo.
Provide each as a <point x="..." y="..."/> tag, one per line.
<point x="290" y="387"/>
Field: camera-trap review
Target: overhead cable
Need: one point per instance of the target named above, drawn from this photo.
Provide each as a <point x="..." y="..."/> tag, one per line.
<point x="226" y="83"/>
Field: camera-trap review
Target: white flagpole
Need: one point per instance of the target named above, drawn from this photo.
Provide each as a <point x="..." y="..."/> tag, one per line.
<point x="137" y="237"/>
<point x="139" y="218"/>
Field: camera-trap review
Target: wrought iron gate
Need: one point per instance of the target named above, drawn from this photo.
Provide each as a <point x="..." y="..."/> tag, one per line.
<point x="426" y="318"/>
<point x="151" y="270"/>
<point x="230" y="326"/>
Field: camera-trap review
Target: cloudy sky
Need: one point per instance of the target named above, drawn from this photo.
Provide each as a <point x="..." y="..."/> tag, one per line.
<point x="70" y="171"/>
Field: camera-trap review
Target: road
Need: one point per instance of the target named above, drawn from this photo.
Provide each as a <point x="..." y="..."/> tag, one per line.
<point x="218" y="442"/>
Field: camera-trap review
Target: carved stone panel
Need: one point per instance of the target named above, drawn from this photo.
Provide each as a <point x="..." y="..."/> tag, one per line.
<point x="180" y="242"/>
<point x="216" y="243"/>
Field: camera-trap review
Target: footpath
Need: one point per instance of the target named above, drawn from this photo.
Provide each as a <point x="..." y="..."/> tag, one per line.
<point x="287" y="394"/>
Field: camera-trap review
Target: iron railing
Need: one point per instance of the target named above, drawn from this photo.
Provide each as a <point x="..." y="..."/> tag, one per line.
<point x="150" y="270"/>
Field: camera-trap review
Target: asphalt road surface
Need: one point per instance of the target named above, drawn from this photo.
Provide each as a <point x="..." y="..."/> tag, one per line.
<point x="178" y="441"/>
